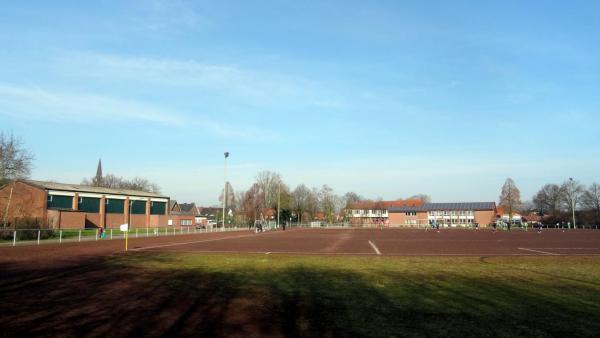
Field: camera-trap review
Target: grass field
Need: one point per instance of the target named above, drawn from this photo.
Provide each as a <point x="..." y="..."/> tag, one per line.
<point x="384" y="297"/>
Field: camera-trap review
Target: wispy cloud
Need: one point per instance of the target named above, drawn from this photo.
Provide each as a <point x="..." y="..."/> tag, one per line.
<point x="34" y="103"/>
<point x="248" y="86"/>
<point x="160" y="15"/>
<point x="38" y="103"/>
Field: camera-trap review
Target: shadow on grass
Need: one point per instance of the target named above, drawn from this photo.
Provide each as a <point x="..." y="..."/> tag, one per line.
<point x="100" y="298"/>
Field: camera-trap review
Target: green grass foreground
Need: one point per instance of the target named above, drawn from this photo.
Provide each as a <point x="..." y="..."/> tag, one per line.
<point x="388" y="296"/>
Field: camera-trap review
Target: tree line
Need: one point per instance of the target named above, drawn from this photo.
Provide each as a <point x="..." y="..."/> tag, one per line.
<point x="269" y="193"/>
<point x="117" y="182"/>
<point x="556" y="202"/>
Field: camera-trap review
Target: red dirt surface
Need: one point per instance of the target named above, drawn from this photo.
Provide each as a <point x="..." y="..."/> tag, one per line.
<point x="326" y="241"/>
<point x="402" y="242"/>
<point x="72" y="290"/>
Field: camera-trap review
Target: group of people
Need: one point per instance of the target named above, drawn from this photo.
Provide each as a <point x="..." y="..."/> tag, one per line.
<point x="259" y="226"/>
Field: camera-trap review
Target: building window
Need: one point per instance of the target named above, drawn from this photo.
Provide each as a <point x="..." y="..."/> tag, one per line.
<point x="186" y="222"/>
<point x="114" y="206"/>
<point x="60" y="202"/>
<point x="157" y="208"/>
<point x="89" y="204"/>
<point x="138" y="207"/>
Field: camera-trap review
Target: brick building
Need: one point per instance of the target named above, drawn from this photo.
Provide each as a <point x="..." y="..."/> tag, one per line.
<point x="59" y="205"/>
<point x="370" y="212"/>
<point x="183" y="214"/>
<point x="445" y="214"/>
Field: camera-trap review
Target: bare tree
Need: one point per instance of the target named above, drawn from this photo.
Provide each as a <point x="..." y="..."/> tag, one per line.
<point x="423" y="197"/>
<point x="252" y="203"/>
<point x="312" y="205"/>
<point x="15" y="159"/>
<point x="116" y="182"/>
<point x="510" y="198"/>
<point x="572" y="191"/>
<point x="15" y="163"/>
<point x="268" y="183"/>
<point x="591" y="200"/>
<point x="230" y="196"/>
<point x="327" y="201"/>
<point x="300" y="197"/>
<point x="548" y="200"/>
<point x="527" y="207"/>
<point x="351" y="198"/>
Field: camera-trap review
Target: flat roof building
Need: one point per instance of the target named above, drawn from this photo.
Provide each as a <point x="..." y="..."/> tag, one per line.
<point x="445" y="214"/>
<point x="60" y="205"/>
<point x="369" y="212"/>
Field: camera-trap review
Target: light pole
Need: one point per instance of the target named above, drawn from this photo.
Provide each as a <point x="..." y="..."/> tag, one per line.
<point x="225" y="187"/>
<point x="128" y="224"/>
<point x="573" y="201"/>
<point x="278" y="202"/>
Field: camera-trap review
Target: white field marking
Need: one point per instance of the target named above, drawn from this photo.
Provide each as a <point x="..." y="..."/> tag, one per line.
<point x="567" y="248"/>
<point x="299" y="253"/>
<point x="540" y="251"/>
<point x="375" y="248"/>
<point x="193" y="242"/>
<point x="282" y="252"/>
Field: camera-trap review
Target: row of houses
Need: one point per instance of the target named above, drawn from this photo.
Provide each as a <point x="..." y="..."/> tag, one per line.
<point x="58" y="205"/>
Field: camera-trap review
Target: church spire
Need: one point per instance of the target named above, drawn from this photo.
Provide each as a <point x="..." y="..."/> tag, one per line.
<point x="98" y="178"/>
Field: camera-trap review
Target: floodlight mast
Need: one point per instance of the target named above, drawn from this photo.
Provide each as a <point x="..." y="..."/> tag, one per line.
<point x="225" y="187"/>
<point x="573" y="201"/>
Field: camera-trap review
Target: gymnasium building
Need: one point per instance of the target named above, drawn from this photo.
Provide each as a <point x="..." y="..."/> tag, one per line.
<point x="58" y="205"/>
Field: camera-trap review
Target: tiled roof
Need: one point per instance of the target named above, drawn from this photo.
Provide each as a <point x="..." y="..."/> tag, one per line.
<point x="187" y="207"/>
<point x="84" y="189"/>
<point x="448" y="206"/>
<point x="501" y="210"/>
<point x="210" y="211"/>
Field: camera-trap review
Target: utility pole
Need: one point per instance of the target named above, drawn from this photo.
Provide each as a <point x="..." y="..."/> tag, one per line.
<point x="225" y="188"/>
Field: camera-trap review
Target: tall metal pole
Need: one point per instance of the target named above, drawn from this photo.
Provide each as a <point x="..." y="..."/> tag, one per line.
<point x="225" y="187"/>
<point x="278" y="202"/>
<point x="128" y="224"/>
<point x="573" y="201"/>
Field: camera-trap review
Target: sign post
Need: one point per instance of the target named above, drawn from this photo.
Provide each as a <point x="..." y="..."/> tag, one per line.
<point x="125" y="227"/>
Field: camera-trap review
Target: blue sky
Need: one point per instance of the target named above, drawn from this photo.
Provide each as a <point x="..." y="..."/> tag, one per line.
<point x="385" y="98"/>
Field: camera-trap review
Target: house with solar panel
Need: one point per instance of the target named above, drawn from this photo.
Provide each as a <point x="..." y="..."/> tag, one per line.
<point x="463" y="214"/>
<point x="183" y="214"/>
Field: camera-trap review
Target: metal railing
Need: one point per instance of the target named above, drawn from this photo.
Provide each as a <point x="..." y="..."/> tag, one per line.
<point x="14" y="237"/>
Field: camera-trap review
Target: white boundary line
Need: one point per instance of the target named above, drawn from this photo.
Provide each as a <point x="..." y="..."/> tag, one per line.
<point x="540" y="251"/>
<point x="375" y="248"/>
<point x="193" y="242"/>
<point x="300" y="253"/>
<point x="567" y="248"/>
